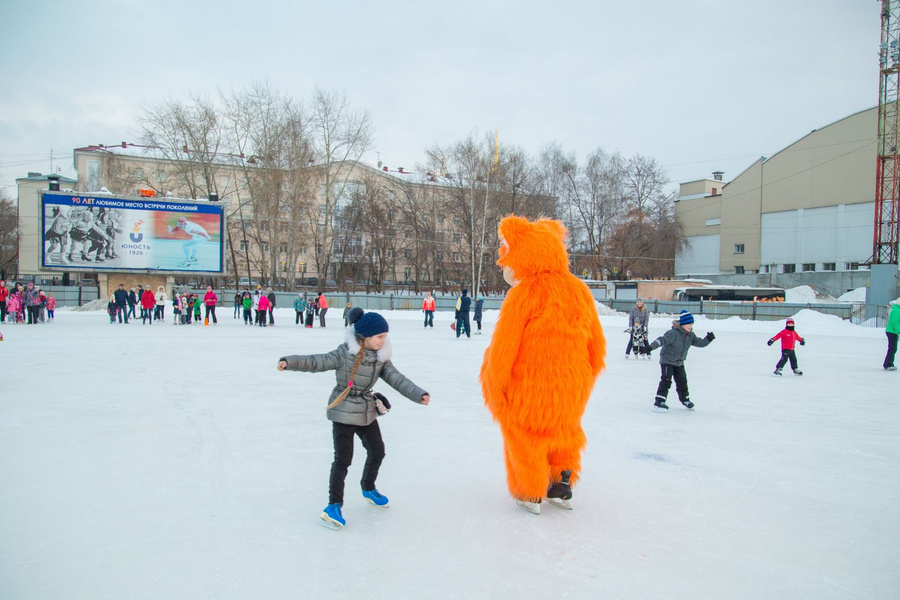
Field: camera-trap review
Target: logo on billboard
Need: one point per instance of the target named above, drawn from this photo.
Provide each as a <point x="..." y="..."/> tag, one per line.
<point x="137" y="236"/>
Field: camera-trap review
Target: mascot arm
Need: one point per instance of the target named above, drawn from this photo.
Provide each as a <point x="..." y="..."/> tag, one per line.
<point x="500" y="357"/>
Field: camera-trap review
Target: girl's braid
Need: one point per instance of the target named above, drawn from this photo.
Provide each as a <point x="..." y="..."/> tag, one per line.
<point x="346" y="392"/>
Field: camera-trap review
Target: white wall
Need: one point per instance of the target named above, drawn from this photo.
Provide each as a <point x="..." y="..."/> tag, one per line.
<point x="700" y="257"/>
<point x="837" y="234"/>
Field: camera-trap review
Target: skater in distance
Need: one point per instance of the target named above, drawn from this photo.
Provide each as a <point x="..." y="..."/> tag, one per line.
<point x="353" y="406"/>
<point x="789" y="339"/>
<point x="675" y="344"/>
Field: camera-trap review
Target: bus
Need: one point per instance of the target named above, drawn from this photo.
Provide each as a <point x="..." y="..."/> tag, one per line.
<point x="728" y="293"/>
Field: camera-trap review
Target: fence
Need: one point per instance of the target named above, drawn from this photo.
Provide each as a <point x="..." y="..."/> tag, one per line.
<point x="69" y="295"/>
<point x="858" y="313"/>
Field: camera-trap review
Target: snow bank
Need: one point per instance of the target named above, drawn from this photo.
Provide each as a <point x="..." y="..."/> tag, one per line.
<point x="857" y="295"/>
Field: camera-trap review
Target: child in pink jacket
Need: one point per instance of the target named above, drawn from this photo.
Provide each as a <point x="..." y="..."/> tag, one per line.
<point x="788" y="338"/>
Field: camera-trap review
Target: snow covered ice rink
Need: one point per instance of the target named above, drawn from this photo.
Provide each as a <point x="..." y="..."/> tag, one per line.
<point x="176" y="463"/>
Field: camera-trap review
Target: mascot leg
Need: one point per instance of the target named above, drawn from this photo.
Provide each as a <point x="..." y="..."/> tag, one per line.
<point x="565" y="466"/>
<point x="527" y="464"/>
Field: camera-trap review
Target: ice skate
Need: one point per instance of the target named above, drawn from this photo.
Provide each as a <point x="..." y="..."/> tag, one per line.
<point x="375" y="497"/>
<point x="660" y="405"/>
<point x="688" y="404"/>
<point x="890" y="368"/>
<point x="777" y="372"/>
<point x="332" y="518"/>
<point x="532" y="507"/>
<point x="798" y="372"/>
<point x="560" y="494"/>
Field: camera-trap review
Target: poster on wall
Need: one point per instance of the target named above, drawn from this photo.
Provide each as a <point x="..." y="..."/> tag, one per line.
<point x="105" y="232"/>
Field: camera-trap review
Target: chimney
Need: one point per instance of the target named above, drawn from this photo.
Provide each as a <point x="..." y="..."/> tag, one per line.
<point x="400" y="169"/>
<point x="384" y="168"/>
<point x="717" y="175"/>
<point x="54" y="182"/>
<point x="213" y="197"/>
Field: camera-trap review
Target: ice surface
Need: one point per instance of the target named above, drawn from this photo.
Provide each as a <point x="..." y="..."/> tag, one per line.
<point x="175" y="462"/>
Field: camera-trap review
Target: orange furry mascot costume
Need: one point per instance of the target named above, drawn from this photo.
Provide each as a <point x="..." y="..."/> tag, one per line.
<point x="545" y="354"/>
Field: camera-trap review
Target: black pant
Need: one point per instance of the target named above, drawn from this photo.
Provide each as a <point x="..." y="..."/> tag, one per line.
<point x="429" y="318"/>
<point x="787" y="355"/>
<point x="33" y="314"/>
<point x="211" y="310"/>
<point x="322" y="312"/>
<point x="121" y="309"/>
<point x="146" y="313"/>
<point x="462" y="320"/>
<point x="370" y="436"/>
<point x="271" y="318"/>
<point x="891" y="351"/>
<point x="665" y="382"/>
<point x="2" y="311"/>
<point x="298" y="316"/>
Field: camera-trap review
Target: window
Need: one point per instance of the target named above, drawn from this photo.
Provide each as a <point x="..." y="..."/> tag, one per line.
<point x="407" y="254"/>
<point x="244" y="245"/>
<point x="265" y="246"/>
<point x="852" y="266"/>
<point x="138" y="174"/>
<point x="302" y="249"/>
<point x="390" y="253"/>
<point x="456" y="238"/>
<point x="440" y="256"/>
<point x="739" y="270"/>
<point x="808" y="267"/>
<point x="711" y="222"/>
<point x="160" y="176"/>
<point x="715" y="191"/>
<point x="283" y="248"/>
<point x="407" y="274"/>
<point x="738" y="248"/>
<point x="828" y="266"/>
<point x="285" y="227"/>
<point x="789" y="268"/>
<point x="456" y="257"/>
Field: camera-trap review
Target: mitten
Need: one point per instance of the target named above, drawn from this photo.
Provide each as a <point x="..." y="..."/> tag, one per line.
<point x="770" y="342"/>
<point x="802" y="342"/>
<point x="710" y="336"/>
<point x="382" y="405"/>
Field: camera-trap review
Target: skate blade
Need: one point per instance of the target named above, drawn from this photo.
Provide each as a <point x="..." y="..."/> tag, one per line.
<point x="659" y="410"/>
<point x="388" y="505"/>
<point x="329" y="523"/>
<point x="560" y="503"/>
<point x="532" y="507"/>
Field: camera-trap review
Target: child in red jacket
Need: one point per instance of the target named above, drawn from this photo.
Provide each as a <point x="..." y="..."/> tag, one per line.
<point x="788" y="338"/>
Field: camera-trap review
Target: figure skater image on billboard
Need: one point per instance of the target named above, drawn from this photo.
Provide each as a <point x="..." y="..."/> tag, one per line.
<point x="198" y="236"/>
<point x="58" y="234"/>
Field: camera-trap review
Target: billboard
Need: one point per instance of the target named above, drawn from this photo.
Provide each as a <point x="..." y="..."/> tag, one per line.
<point x="100" y="232"/>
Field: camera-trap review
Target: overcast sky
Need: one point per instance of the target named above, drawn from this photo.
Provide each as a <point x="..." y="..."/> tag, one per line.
<point x="700" y="85"/>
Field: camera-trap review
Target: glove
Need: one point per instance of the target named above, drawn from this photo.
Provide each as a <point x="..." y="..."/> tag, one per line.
<point x="382" y="405"/>
<point x="710" y="336"/>
<point x="802" y="342"/>
<point x="770" y="342"/>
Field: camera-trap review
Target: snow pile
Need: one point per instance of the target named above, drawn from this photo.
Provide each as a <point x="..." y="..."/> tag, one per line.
<point x="606" y="311"/>
<point x="98" y="304"/>
<point x="857" y="295"/>
<point x="804" y="294"/>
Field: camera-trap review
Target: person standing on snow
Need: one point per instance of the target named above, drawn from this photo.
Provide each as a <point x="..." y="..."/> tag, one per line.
<point x="675" y="344"/>
<point x="322" y="303"/>
<point x="463" y="304"/>
<point x="209" y="300"/>
<point x="477" y="315"/>
<point x="299" y="308"/>
<point x="638" y="325"/>
<point x="788" y="338"/>
<point x="428" y="309"/>
<point x="161" y="300"/>
<point x="892" y="330"/>
<point x="148" y="303"/>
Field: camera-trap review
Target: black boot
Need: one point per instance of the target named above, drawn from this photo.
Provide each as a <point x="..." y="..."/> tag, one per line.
<point x="560" y="493"/>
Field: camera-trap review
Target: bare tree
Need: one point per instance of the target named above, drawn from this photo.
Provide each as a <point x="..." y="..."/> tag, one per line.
<point x="340" y="135"/>
<point x="9" y="236"/>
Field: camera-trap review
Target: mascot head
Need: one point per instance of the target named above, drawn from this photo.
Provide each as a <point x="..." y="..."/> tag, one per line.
<point x="527" y="248"/>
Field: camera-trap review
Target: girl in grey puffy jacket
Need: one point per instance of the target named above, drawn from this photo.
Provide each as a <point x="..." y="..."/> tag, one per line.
<point x="353" y="406"/>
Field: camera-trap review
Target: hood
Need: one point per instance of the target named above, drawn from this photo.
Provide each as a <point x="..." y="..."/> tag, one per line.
<point x="384" y="353"/>
<point x="532" y="247"/>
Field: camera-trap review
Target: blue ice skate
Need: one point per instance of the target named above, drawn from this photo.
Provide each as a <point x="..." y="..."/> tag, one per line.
<point x="331" y="517"/>
<point x="375" y="497"/>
